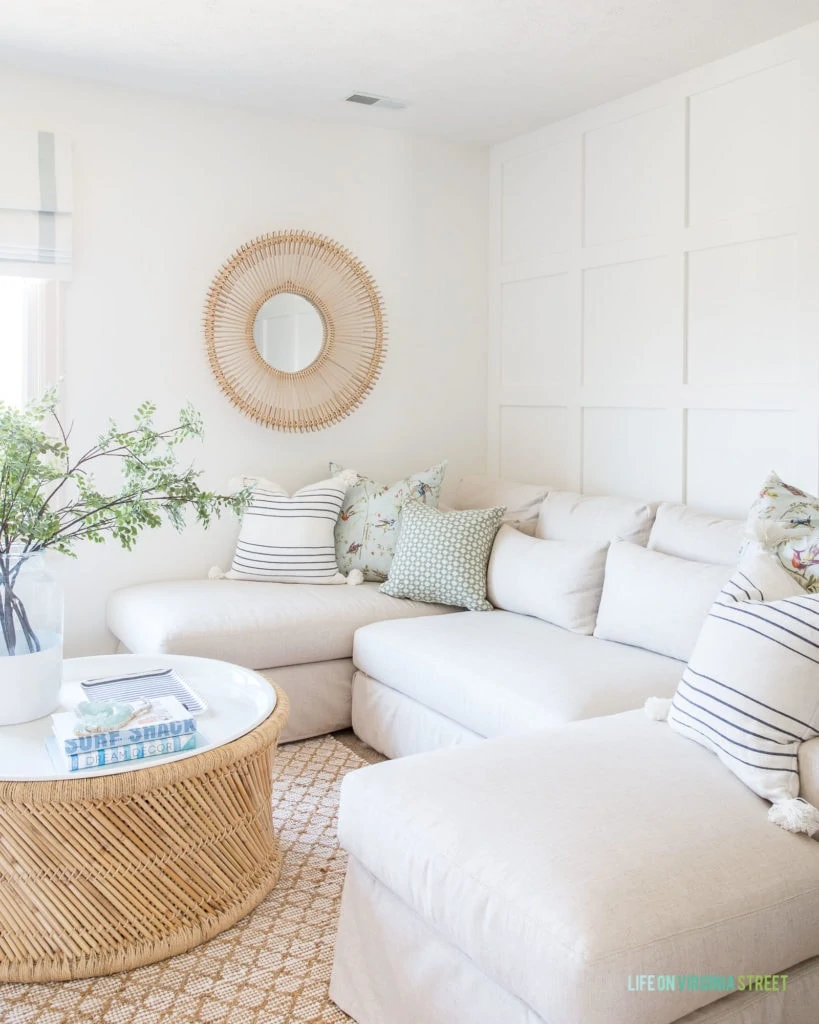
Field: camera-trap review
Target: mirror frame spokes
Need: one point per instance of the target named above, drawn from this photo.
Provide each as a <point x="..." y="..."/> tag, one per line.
<point x="350" y="305"/>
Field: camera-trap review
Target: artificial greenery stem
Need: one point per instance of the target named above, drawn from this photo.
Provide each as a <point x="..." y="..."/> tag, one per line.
<point x="49" y="498"/>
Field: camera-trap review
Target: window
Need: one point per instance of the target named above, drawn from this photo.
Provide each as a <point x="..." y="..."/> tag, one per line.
<point x="30" y="337"/>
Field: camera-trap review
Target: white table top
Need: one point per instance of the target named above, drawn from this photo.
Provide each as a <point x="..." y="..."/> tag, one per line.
<point x="238" y="700"/>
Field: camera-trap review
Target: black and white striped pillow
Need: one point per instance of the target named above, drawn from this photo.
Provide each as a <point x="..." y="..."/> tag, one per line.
<point x="289" y="538"/>
<point x="750" y="692"/>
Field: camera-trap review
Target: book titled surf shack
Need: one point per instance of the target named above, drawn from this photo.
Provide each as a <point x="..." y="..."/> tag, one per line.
<point x="165" y="719"/>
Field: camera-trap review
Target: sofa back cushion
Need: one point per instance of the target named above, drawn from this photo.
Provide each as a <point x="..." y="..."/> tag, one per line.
<point x="521" y="501"/>
<point x="555" y="580"/>
<point x="687" y="533"/>
<point x="566" y="515"/>
<point x="656" y="601"/>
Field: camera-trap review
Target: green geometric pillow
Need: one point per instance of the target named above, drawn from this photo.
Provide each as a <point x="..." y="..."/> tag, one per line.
<point x="367" y="528"/>
<point x="441" y="557"/>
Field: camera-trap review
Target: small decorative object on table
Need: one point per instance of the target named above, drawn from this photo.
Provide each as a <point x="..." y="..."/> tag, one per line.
<point x="49" y="500"/>
<point x="102" y="716"/>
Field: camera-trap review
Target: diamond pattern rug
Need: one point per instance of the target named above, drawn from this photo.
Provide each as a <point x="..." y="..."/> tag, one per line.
<point x="274" y="966"/>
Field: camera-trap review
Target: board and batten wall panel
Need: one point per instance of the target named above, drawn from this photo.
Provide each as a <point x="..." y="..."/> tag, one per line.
<point x="654" y="282"/>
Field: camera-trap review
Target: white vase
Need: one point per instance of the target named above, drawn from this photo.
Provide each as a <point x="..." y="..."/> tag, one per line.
<point x="30" y="685"/>
<point x="31" y="641"/>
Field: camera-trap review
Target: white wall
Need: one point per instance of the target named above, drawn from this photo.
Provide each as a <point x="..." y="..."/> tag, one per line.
<point x="165" y="190"/>
<point x="654" y="268"/>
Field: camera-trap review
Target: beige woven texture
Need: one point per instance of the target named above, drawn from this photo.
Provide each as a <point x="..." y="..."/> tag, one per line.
<point x="273" y="967"/>
<point x="352" y="312"/>
<point x="99" y="875"/>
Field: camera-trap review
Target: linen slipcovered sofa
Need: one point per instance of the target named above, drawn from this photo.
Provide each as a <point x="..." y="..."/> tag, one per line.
<point x="550" y="845"/>
<point x="550" y="854"/>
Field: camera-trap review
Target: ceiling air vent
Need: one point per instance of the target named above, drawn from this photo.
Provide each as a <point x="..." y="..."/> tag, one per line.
<point x="368" y="100"/>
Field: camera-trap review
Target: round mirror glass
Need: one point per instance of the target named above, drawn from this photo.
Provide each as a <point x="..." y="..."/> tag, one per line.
<point x="289" y="332"/>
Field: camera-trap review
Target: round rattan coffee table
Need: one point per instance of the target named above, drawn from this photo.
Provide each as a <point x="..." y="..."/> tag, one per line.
<point x="108" y="871"/>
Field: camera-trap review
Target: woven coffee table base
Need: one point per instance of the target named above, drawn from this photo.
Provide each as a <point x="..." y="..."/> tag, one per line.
<point x="100" y="875"/>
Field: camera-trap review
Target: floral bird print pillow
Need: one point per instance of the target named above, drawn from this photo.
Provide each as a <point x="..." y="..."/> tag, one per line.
<point x="785" y="521"/>
<point x="367" y="528"/>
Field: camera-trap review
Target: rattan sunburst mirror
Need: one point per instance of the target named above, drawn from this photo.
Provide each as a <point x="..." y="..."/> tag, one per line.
<point x="295" y="330"/>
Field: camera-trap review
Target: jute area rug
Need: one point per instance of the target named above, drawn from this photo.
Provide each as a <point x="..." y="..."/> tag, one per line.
<point x="271" y="968"/>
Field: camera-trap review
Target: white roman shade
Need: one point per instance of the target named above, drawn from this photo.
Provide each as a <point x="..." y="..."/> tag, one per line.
<point x="35" y="202"/>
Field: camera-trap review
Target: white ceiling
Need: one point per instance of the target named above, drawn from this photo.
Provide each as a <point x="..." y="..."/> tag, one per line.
<point x="471" y="70"/>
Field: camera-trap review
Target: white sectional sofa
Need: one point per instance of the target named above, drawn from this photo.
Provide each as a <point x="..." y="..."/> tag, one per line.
<point x="575" y="862"/>
<point x="550" y="846"/>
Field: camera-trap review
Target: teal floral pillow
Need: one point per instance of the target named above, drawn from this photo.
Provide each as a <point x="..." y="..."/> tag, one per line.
<point x="441" y="557"/>
<point x="367" y="528"/>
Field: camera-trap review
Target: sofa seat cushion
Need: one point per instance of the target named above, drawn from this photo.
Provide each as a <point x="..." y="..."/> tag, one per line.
<point x="565" y="862"/>
<point x="257" y="625"/>
<point x="498" y="673"/>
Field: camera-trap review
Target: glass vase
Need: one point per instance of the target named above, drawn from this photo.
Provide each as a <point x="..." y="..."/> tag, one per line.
<point x="31" y="637"/>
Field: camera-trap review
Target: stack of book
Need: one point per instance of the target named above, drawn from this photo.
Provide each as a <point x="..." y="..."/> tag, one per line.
<point x="161" y="726"/>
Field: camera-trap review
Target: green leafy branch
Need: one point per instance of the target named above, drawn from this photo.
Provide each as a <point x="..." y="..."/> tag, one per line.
<point x="49" y="498"/>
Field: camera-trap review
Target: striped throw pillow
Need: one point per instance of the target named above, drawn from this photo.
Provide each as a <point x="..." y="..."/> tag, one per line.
<point x="289" y="538"/>
<point x="750" y="692"/>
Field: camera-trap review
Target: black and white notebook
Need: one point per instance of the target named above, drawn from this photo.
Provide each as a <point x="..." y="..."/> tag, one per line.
<point x="147" y="685"/>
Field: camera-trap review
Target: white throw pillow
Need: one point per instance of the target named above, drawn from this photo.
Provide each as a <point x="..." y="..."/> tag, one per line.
<point x="656" y="601"/>
<point x="554" y="580"/>
<point x="566" y="515"/>
<point x="288" y="538"/>
<point x="750" y="692"/>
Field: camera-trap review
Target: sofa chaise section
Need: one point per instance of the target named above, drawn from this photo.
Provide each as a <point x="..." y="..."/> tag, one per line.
<point x="301" y="636"/>
<point x="533" y="879"/>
